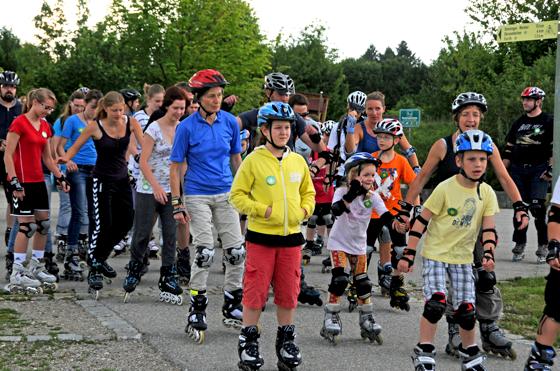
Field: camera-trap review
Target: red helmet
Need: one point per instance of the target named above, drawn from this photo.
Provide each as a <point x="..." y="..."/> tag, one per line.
<point x="532" y="92"/>
<point x="206" y="79"/>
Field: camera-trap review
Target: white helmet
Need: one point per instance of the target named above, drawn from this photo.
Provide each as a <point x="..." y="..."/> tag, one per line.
<point x="357" y="101"/>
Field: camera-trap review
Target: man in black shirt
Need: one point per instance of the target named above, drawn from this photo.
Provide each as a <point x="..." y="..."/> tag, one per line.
<point x="528" y="156"/>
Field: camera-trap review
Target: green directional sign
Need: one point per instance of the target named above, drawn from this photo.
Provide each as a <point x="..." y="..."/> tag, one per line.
<point x="410" y="117"/>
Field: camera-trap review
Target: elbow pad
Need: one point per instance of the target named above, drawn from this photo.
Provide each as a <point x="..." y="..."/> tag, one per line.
<point x="339" y="207"/>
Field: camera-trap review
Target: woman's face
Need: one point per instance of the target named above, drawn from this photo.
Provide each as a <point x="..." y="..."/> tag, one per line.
<point x="469" y="118"/>
<point x="374" y="110"/>
<point x="91" y="106"/>
<point x="176" y="110"/>
<point x="43" y="109"/>
<point x="77" y="106"/>
<point x="115" y="111"/>
<point x="155" y="101"/>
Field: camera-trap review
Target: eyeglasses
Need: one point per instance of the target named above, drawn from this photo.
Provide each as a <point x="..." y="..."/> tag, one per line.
<point x="47" y="108"/>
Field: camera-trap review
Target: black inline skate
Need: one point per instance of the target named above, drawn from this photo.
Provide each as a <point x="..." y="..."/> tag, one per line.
<point x="384" y="277"/>
<point x="454" y="338"/>
<point x="472" y="358"/>
<point x="307" y="252"/>
<point x="399" y="296"/>
<point x="308" y="294"/>
<point x="541" y="358"/>
<point x="169" y="289"/>
<point x="107" y="271"/>
<point x="327" y="265"/>
<point x="50" y="264"/>
<point x="9" y="265"/>
<point x="184" y="265"/>
<point x="83" y="245"/>
<point x="289" y="356"/>
<point x="494" y="340"/>
<point x="352" y="297"/>
<point x="95" y="279"/>
<point x="232" y="309"/>
<point x="424" y="357"/>
<point x="196" y="319"/>
<point x="248" y="349"/>
<point x="132" y="278"/>
<point x="73" y="270"/>
<point x="61" y="245"/>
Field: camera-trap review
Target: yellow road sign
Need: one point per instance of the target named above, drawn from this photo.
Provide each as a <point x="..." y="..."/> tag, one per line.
<point x="528" y="31"/>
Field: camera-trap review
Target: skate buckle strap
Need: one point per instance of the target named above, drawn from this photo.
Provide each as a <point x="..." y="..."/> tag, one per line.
<point x="15" y="185"/>
<point x="478" y="360"/>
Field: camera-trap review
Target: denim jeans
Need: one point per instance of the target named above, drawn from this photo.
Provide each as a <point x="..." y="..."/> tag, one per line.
<point x="15" y="227"/>
<point x="63" y="212"/>
<point x="79" y="222"/>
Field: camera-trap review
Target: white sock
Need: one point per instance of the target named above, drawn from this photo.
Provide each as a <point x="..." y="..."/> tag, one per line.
<point x="38" y="254"/>
<point x="20" y="257"/>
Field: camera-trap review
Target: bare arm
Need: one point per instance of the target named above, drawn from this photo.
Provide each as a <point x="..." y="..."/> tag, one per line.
<point x="235" y="161"/>
<point x="436" y="154"/>
<point x="135" y="139"/>
<point x="12" y="140"/>
<point x="91" y="130"/>
<point x="352" y="139"/>
<point x="412" y="159"/>
<point x="503" y="177"/>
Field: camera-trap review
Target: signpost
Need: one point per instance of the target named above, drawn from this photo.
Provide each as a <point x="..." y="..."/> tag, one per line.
<point x="410" y="118"/>
<point x="540" y="31"/>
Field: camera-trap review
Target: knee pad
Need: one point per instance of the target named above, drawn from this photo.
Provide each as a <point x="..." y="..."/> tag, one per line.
<point x="204" y="256"/>
<point x="537" y="208"/>
<point x="329" y="221"/>
<point x="28" y="229"/>
<point x="43" y="226"/>
<point x="465" y="316"/>
<point x="385" y="235"/>
<point x="434" y="308"/>
<point x="485" y="281"/>
<point x="235" y="255"/>
<point x="312" y="222"/>
<point x="396" y="255"/>
<point x="554" y="214"/>
<point x="339" y="281"/>
<point x="363" y="286"/>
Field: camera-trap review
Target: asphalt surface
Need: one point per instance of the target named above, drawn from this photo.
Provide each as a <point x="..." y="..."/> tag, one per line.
<point x="162" y="325"/>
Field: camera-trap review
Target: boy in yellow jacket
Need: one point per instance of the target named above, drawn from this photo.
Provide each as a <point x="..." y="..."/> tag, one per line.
<point x="274" y="189"/>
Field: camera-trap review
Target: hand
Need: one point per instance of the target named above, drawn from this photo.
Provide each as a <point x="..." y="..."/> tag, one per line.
<point x="304" y="213"/>
<point x="268" y="212"/>
<point x="62" y="159"/>
<point x="159" y="194"/>
<point x="554" y="264"/>
<point x="181" y="215"/>
<point x="403" y="266"/>
<point x="547" y="174"/>
<point x="488" y="264"/>
<point x="19" y="194"/>
<point x="399" y="227"/>
<point x="350" y="123"/>
<point x="520" y="210"/>
<point x="71" y="166"/>
<point x="314" y="135"/>
<point x="231" y="100"/>
<point x="355" y="189"/>
<point x="2" y="145"/>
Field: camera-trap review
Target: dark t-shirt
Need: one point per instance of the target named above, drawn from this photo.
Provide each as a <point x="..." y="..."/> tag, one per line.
<point x="532" y="139"/>
<point x="7" y="115"/>
<point x="249" y="122"/>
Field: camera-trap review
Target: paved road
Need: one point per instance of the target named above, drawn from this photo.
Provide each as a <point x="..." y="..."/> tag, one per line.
<point x="162" y="325"/>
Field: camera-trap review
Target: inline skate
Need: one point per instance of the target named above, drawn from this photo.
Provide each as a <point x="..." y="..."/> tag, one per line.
<point x="184" y="265"/>
<point x="95" y="280"/>
<point x="83" y="245"/>
<point x="423" y="358"/>
<point x="170" y="291"/>
<point x="132" y="279"/>
<point x="61" y="245"/>
<point x="307" y="252"/>
<point x="121" y="247"/>
<point x="248" y="349"/>
<point x="384" y="277"/>
<point x="22" y="281"/>
<point x="107" y="271"/>
<point x="454" y="339"/>
<point x="51" y="265"/>
<point x="308" y="294"/>
<point x="494" y="340"/>
<point x="518" y="252"/>
<point x="352" y="297"/>
<point x="196" y="319"/>
<point x="73" y="270"/>
<point x="289" y="356"/>
<point x="542" y="251"/>
<point x="541" y="358"/>
<point x="9" y="264"/>
<point x="472" y="358"/>
<point x="232" y="309"/>
<point x="399" y="296"/>
<point x="368" y="328"/>
<point x="327" y="265"/>
<point x="38" y="270"/>
<point x="153" y="249"/>
<point x="332" y="326"/>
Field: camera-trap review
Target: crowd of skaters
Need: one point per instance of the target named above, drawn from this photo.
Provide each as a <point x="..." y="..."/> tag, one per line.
<point x="253" y="180"/>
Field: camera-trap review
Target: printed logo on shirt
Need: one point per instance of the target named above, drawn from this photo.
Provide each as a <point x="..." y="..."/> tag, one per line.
<point x="465" y="214"/>
<point x="44" y="134"/>
<point x="270" y="180"/>
<point x="383" y="182"/>
<point x="80" y="130"/>
<point x="295" y="177"/>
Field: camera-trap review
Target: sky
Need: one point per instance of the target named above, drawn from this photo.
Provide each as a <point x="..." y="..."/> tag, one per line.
<point x="351" y="25"/>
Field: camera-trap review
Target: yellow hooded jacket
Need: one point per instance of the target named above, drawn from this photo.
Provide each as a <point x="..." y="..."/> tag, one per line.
<point x="262" y="181"/>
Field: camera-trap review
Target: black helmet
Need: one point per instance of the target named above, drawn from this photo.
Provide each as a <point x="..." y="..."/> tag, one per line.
<point x="279" y="82"/>
<point x="9" y="78"/>
<point x="130" y="95"/>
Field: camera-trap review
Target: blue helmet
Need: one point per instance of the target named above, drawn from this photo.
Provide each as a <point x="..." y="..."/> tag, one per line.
<point x="244" y="134"/>
<point x="275" y="111"/>
<point x="474" y="140"/>
<point x="358" y="159"/>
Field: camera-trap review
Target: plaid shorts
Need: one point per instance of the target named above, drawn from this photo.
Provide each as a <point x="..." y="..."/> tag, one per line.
<point x="460" y="276"/>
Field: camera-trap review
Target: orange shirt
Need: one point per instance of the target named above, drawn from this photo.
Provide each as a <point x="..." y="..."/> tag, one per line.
<point x="388" y="181"/>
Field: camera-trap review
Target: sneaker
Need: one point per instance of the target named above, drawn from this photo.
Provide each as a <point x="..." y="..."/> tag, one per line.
<point x="120" y="248"/>
<point x="542" y="252"/>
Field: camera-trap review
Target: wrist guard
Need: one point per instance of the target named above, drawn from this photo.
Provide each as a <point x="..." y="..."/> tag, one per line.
<point x="15" y="185"/>
<point x="354" y="190"/>
<point x="327" y="156"/>
<point x="61" y="181"/>
<point x="553" y="250"/>
<point x="176" y="201"/>
<point x="488" y="254"/>
<point x="405" y="254"/>
<point x="315" y="137"/>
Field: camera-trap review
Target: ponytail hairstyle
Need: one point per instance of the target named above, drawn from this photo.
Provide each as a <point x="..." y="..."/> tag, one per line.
<point x="109" y="99"/>
<point x="40" y="95"/>
<point x="151" y="90"/>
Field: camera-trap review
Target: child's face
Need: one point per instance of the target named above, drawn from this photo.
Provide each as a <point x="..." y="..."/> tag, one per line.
<point x="386" y="141"/>
<point x="367" y="174"/>
<point x="473" y="162"/>
<point x="279" y="132"/>
<point x="244" y="144"/>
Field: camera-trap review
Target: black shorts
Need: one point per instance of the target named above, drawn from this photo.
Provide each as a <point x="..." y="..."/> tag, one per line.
<point x="36" y="199"/>
<point x="552" y="295"/>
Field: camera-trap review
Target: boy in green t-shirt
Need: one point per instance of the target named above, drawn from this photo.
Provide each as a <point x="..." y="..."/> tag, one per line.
<point x="457" y="208"/>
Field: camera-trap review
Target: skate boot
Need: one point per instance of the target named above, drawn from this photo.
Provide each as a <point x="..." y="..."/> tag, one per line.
<point x="423" y="358"/>
<point x="184" y="265"/>
<point x="196" y="319"/>
<point x="332" y="326"/>
<point x="472" y="358"/>
<point x="494" y="341"/>
<point x="107" y="271"/>
<point x="153" y="249"/>
<point x="7" y="233"/>
<point x="83" y="244"/>
<point x="541" y="358"/>
<point x="309" y="295"/>
<point x="352" y="297"/>
<point x="317" y="247"/>
<point x="9" y="264"/>
<point x="248" y="349"/>
<point x="51" y="265"/>
<point x="132" y="278"/>
<point x="518" y="252"/>
<point x="169" y="289"/>
<point x="368" y="328"/>
<point x="22" y="281"/>
<point x="232" y="309"/>
<point x="120" y="248"/>
<point x="307" y="252"/>
<point x="454" y="339"/>
<point x="327" y="265"/>
<point x="542" y="251"/>
<point x="61" y="244"/>
<point x="73" y="270"/>
<point x="48" y="281"/>
<point x="95" y="279"/>
<point x="399" y="296"/>
<point x="384" y="277"/>
<point x="289" y="356"/>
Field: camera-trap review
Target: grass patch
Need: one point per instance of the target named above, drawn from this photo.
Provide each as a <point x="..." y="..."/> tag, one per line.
<point x="523" y="305"/>
<point x="10" y="321"/>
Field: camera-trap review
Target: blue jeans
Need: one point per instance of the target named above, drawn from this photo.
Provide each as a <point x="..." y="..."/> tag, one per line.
<point x="15" y="227"/>
<point x="79" y="222"/>
<point x="63" y="213"/>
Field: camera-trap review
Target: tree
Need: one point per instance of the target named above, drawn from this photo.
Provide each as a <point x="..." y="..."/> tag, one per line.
<point x="52" y="29"/>
<point x="9" y="44"/>
<point x="371" y="54"/>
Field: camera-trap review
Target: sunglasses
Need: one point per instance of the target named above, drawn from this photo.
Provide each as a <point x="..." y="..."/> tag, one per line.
<point x="304" y="114"/>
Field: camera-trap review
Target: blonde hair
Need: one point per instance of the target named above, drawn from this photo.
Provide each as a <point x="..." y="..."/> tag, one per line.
<point x="40" y="95"/>
<point x="356" y="170"/>
<point x="151" y="90"/>
<point x="109" y="99"/>
<point x="376" y="95"/>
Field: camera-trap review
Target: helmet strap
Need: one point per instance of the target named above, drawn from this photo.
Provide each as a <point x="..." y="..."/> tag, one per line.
<point x="208" y="114"/>
<point x="478" y="181"/>
<point x="271" y="141"/>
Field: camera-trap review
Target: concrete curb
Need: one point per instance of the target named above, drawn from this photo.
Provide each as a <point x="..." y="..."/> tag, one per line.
<point x="110" y="319"/>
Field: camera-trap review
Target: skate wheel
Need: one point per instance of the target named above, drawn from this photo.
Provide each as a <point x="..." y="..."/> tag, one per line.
<point x="511" y="354"/>
<point x="126" y="297"/>
<point x="201" y="337"/>
<point x="379" y="339"/>
<point x="180" y="300"/>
